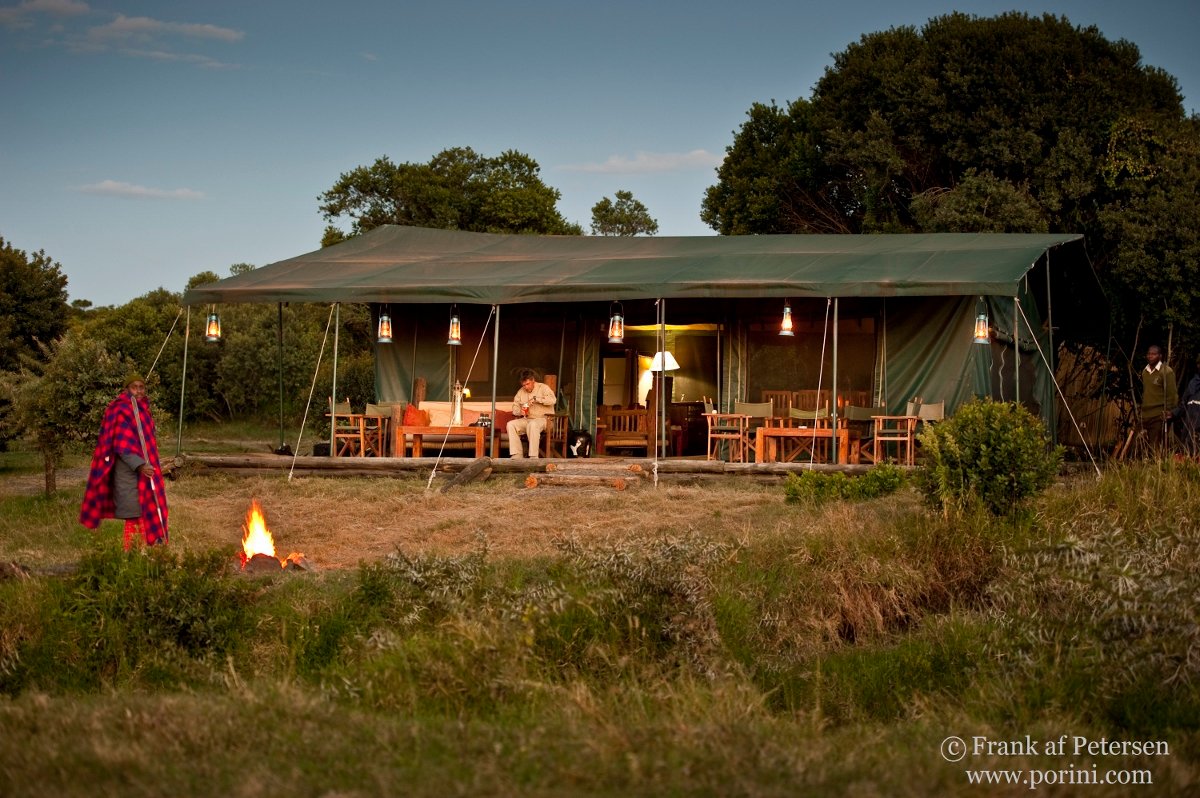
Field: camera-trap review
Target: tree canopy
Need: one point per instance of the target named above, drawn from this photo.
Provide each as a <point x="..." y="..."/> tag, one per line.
<point x="1005" y="124"/>
<point x="458" y="189"/>
<point x="33" y="304"/>
<point x="624" y="216"/>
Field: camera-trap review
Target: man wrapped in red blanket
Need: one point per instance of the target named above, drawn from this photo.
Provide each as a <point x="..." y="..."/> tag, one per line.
<point x="125" y="480"/>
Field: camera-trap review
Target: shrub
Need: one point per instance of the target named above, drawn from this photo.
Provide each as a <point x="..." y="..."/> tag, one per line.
<point x="134" y="618"/>
<point x="815" y="488"/>
<point x="992" y="454"/>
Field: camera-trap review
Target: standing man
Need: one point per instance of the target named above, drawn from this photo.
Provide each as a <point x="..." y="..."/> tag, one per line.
<point x="125" y="480"/>
<point x="533" y="402"/>
<point x="1160" y="397"/>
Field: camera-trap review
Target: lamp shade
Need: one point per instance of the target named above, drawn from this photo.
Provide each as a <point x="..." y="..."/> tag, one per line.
<point x="664" y="361"/>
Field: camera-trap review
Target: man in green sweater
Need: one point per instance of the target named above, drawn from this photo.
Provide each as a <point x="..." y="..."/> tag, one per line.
<point x="1160" y="396"/>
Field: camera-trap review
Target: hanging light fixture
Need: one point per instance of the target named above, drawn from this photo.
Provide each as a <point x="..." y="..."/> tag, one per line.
<point x="212" y="327"/>
<point x="384" y="334"/>
<point x="981" y="324"/>
<point x="616" y="324"/>
<point x="455" y="338"/>
<point x="785" y="326"/>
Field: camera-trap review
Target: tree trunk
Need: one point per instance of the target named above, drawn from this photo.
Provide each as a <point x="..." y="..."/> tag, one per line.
<point x="48" y="463"/>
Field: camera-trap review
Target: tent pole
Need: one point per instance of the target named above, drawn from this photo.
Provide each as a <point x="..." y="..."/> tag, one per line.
<point x="187" y="331"/>
<point x="661" y="409"/>
<point x="337" y="323"/>
<point x="883" y="362"/>
<point x="562" y="344"/>
<point x="1052" y="352"/>
<point x="833" y="401"/>
<point x="281" y="443"/>
<point x="1017" y="347"/>
<point x="495" y="433"/>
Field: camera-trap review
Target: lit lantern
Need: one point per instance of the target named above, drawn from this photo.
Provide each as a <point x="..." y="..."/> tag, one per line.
<point x="455" y="337"/>
<point x="212" y="327"/>
<point x="616" y="324"/>
<point x="785" y="327"/>
<point x="981" y="329"/>
<point x="384" y="335"/>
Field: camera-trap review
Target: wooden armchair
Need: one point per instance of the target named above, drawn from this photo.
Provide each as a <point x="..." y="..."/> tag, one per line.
<point x="861" y="421"/>
<point x="781" y="402"/>
<point x="623" y="429"/>
<point x="349" y="438"/>
<point x="376" y="423"/>
<point x="898" y="430"/>
<point x="757" y="414"/>
<point x="728" y="429"/>
<point x="811" y="399"/>
<point x="554" y="437"/>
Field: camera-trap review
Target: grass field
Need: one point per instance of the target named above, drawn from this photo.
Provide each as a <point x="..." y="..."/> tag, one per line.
<point x="495" y="640"/>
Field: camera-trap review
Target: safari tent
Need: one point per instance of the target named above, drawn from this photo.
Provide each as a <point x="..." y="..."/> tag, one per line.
<point x="886" y="316"/>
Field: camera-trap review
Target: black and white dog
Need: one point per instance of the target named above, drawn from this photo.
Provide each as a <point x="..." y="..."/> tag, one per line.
<point x="581" y="443"/>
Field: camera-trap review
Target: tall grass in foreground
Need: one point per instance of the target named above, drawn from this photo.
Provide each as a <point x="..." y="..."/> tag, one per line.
<point x="827" y="658"/>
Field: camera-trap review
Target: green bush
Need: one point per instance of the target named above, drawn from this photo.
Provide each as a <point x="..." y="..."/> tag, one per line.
<point x="990" y="454"/>
<point x="813" y="487"/>
<point x="134" y="618"/>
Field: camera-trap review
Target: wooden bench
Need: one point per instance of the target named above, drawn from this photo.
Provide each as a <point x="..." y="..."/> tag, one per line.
<point x="622" y="429"/>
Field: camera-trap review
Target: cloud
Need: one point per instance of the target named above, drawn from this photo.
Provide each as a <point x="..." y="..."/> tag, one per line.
<point x="167" y="55"/>
<point x="115" y="188"/>
<point x="650" y="162"/>
<point x="19" y="15"/>
<point x="142" y="28"/>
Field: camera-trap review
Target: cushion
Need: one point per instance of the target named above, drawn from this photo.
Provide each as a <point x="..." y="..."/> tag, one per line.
<point x="414" y="417"/>
<point x="502" y="419"/>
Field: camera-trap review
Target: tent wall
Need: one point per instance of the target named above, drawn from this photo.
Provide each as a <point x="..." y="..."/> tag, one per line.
<point x="530" y="337"/>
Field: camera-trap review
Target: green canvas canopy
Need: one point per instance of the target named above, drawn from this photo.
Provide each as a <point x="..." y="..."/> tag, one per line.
<point x="416" y="265"/>
<point x="908" y="303"/>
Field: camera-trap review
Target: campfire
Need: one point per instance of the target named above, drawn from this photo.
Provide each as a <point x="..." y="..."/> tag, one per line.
<point x="258" y="546"/>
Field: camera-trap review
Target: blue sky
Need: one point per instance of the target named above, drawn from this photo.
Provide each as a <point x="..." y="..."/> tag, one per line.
<point x="143" y="142"/>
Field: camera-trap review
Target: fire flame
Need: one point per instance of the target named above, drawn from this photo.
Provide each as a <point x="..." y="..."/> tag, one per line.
<point x="258" y="544"/>
<point x="256" y="538"/>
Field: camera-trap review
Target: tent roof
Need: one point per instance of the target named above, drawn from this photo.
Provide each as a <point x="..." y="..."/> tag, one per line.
<point x="418" y="265"/>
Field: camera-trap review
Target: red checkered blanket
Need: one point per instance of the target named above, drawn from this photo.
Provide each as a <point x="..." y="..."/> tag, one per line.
<point x="119" y="435"/>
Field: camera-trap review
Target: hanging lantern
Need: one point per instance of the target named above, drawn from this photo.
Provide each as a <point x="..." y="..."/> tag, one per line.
<point x="384" y="335"/>
<point x="981" y="329"/>
<point x="212" y="327"/>
<point x="616" y="324"/>
<point x="785" y="327"/>
<point x="455" y="338"/>
<point x="981" y="323"/>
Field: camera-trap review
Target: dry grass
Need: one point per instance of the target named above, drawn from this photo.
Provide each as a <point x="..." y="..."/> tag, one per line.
<point x="338" y="523"/>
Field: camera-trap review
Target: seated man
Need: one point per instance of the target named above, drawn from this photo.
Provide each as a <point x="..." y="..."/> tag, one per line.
<point x="532" y="404"/>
